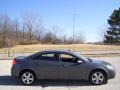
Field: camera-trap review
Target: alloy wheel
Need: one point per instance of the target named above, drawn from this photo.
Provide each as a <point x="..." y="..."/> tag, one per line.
<point x="27" y="78"/>
<point x="97" y="78"/>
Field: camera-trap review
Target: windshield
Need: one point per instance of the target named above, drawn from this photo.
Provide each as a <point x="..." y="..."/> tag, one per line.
<point x="81" y="57"/>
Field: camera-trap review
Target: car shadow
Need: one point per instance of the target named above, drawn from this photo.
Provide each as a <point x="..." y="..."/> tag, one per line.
<point x="10" y="81"/>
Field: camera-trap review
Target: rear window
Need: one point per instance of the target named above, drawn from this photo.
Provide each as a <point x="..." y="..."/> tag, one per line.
<point x="47" y="57"/>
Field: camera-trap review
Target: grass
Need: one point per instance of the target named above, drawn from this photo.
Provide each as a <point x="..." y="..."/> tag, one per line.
<point x="76" y="47"/>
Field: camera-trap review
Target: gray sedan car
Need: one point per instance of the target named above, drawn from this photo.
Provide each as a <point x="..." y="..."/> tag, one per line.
<point x="62" y="65"/>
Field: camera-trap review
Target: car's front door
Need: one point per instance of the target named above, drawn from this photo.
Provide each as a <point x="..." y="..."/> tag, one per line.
<point x="71" y="68"/>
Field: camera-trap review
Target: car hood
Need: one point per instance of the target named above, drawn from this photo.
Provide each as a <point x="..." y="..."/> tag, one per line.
<point x="100" y="62"/>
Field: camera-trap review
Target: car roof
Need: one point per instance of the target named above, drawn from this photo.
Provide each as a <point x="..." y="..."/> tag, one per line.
<point x="51" y="51"/>
<point x="57" y="51"/>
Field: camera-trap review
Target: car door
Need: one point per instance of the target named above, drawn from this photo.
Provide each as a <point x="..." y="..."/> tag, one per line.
<point x="48" y="66"/>
<point x="71" y="68"/>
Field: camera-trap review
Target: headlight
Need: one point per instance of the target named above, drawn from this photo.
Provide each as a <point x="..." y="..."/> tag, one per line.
<point x="110" y="67"/>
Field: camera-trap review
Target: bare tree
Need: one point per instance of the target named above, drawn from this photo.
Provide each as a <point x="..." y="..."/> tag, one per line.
<point x="5" y="28"/>
<point x="32" y="24"/>
<point x="16" y="29"/>
<point x="31" y="30"/>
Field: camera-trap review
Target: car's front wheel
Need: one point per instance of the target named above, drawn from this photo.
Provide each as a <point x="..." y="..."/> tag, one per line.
<point x="27" y="78"/>
<point x="98" y="78"/>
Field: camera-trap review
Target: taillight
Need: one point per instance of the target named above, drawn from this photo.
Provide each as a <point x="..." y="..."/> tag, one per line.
<point x="14" y="62"/>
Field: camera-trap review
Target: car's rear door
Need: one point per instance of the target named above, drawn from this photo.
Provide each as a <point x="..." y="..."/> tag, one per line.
<point x="48" y="66"/>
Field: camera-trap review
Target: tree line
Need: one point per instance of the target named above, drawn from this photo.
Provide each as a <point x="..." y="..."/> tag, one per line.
<point x="29" y="29"/>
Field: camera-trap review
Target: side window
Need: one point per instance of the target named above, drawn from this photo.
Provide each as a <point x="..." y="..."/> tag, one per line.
<point x="47" y="56"/>
<point x="67" y="58"/>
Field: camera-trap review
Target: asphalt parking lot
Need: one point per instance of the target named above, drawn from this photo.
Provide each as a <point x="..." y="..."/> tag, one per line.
<point x="8" y="83"/>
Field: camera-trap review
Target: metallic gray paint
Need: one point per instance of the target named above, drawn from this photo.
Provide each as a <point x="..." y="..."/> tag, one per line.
<point x="60" y="70"/>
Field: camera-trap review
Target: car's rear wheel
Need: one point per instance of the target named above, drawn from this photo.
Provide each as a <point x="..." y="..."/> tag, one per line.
<point x="98" y="78"/>
<point x="27" y="78"/>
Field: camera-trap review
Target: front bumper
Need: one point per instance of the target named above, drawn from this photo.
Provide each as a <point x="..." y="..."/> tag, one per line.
<point x="111" y="74"/>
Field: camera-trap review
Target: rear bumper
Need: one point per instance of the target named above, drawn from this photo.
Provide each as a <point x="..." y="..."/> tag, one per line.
<point x="14" y="72"/>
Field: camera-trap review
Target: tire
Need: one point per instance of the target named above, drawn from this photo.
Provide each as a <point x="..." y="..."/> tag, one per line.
<point x="98" y="77"/>
<point x="27" y="78"/>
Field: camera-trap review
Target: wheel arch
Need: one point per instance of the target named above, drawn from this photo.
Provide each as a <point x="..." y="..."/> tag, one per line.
<point x="24" y="70"/>
<point x="99" y="69"/>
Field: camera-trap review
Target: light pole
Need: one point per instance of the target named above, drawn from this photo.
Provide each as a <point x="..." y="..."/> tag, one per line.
<point x="74" y="28"/>
<point x="74" y="15"/>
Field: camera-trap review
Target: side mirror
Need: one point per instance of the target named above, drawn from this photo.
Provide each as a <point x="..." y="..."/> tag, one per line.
<point x="79" y="61"/>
